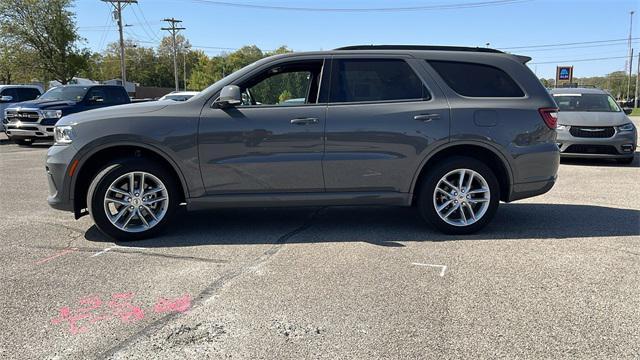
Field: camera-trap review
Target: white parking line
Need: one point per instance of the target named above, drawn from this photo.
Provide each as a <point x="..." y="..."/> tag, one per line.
<point x="117" y="247"/>
<point x="443" y="268"/>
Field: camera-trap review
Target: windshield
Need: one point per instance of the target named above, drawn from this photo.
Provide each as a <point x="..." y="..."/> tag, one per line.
<point x="586" y="102"/>
<point x="71" y="93"/>
<point x="177" y="97"/>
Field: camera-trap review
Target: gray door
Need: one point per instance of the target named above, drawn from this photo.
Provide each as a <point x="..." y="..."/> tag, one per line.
<point x="383" y="117"/>
<point x="271" y="143"/>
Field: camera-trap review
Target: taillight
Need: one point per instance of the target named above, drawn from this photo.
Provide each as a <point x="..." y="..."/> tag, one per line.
<point x="550" y="116"/>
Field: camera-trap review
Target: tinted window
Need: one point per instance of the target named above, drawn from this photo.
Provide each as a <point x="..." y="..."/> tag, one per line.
<point x="116" y="96"/>
<point x="10" y="92"/>
<point x="477" y="80"/>
<point x="26" y="94"/>
<point x="375" y="80"/>
<point x="69" y="93"/>
<point x="98" y="95"/>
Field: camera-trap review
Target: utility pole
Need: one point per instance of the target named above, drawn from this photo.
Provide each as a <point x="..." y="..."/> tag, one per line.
<point x="184" y="63"/>
<point x="118" y="5"/>
<point x="635" y="102"/>
<point x="174" y="31"/>
<point x="629" y="64"/>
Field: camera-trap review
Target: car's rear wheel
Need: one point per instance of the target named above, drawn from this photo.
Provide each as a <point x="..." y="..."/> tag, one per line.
<point x="132" y="199"/>
<point x="459" y="196"/>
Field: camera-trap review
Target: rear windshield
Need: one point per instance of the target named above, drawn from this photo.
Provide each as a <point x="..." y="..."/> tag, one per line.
<point x="476" y="80"/>
<point x="586" y="102"/>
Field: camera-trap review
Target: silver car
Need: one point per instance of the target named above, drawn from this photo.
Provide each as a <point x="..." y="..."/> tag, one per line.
<point x="592" y="125"/>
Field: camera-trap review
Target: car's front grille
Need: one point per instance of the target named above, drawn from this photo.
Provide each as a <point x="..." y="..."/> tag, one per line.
<point x="592" y="131"/>
<point x="591" y="149"/>
<point x="22" y="116"/>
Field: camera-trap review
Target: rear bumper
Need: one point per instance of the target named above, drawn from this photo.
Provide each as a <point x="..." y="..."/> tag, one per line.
<point x="527" y="190"/>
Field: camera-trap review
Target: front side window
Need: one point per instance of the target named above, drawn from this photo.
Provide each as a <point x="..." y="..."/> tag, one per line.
<point x="284" y="85"/>
<point x="358" y="80"/>
<point x="476" y="80"/>
<point x="586" y="102"/>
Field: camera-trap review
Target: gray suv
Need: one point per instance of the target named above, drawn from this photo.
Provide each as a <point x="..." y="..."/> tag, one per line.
<point x="451" y="130"/>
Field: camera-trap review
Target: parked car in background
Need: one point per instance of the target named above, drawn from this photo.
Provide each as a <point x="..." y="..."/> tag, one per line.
<point x="29" y="121"/>
<point x="592" y="125"/>
<point x="379" y="125"/>
<point x="11" y="94"/>
<point x="179" y="95"/>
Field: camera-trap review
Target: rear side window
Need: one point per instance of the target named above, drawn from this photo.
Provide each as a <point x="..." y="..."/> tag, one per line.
<point x="26" y="94"/>
<point x="10" y="92"/>
<point x="476" y="80"/>
<point x="356" y="80"/>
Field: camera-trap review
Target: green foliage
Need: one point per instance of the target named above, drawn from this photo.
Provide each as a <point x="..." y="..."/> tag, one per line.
<point x="46" y="28"/>
<point x="284" y="96"/>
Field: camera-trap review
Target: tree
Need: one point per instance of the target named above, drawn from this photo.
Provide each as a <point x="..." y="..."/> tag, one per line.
<point x="48" y="28"/>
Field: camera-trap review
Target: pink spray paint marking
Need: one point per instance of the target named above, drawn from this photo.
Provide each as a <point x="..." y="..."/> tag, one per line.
<point x="181" y="304"/>
<point x="92" y="310"/>
<point x="57" y="255"/>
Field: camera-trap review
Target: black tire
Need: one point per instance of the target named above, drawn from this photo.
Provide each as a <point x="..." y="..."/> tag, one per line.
<point x="427" y="188"/>
<point x="109" y="174"/>
<point x="625" y="161"/>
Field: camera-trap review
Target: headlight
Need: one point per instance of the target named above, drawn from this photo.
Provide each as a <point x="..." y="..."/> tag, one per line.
<point x="64" y="134"/>
<point x="626" y="127"/>
<point x="51" y="114"/>
<point x="562" y="127"/>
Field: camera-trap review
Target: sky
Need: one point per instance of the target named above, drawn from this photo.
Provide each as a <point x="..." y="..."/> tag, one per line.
<point x="517" y="26"/>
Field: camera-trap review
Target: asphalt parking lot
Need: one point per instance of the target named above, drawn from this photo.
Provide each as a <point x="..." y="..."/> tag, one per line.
<point x="556" y="276"/>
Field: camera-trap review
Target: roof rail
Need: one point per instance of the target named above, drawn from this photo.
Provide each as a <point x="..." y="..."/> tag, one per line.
<point x="420" y="47"/>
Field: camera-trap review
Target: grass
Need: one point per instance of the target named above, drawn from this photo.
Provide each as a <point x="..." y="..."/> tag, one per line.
<point x="636" y="112"/>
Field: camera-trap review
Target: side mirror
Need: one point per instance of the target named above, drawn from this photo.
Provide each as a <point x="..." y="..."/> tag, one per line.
<point x="229" y="96"/>
<point x="6" y="98"/>
<point x="627" y="111"/>
<point x="96" y="99"/>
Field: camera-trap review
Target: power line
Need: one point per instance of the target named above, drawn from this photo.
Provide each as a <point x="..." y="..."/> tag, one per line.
<point x="578" y="60"/>
<point x="566" y="44"/>
<point x="151" y="30"/>
<point x="383" y="9"/>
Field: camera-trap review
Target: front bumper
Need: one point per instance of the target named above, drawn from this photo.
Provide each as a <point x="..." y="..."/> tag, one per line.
<point x="59" y="159"/>
<point x="620" y="145"/>
<point x="28" y="130"/>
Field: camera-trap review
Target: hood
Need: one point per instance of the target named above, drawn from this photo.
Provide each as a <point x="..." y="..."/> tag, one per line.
<point x="119" y="111"/>
<point x="44" y="104"/>
<point x="591" y="118"/>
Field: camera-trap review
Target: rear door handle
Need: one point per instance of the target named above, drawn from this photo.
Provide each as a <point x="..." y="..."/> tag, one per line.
<point x="305" y="121"/>
<point x="426" y="117"/>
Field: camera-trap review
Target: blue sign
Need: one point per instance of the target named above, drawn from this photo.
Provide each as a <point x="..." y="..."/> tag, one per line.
<point x="564" y="73"/>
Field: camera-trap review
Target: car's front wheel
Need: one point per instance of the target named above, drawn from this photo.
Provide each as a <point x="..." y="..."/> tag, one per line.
<point x="459" y="196"/>
<point x="132" y="199"/>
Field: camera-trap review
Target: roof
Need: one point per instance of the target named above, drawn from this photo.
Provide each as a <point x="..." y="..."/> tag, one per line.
<point x="420" y="48"/>
<point x="20" y="86"/>
<point x="577" y="91"/>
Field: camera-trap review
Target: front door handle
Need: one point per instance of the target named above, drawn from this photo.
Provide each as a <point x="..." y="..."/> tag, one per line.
<point x="426" y="117"/>
<point x="305" y="121"/>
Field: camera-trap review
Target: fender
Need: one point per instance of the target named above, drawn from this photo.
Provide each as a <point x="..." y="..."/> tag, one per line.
<point x="115" y="141"/>
<point x="485" y="145"/>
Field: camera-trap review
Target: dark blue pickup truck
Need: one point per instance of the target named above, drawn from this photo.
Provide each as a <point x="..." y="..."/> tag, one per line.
<point x="29" y="121"/>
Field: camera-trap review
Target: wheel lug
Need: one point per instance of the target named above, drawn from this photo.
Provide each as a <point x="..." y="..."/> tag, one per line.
<point x="131" y="207"/>
<point x="455" y="193"/>
<point x="137" y="194"/>
<point x="455" y="201"/>
<point x="140" y="207"/>
<point x="468" y="196"/>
